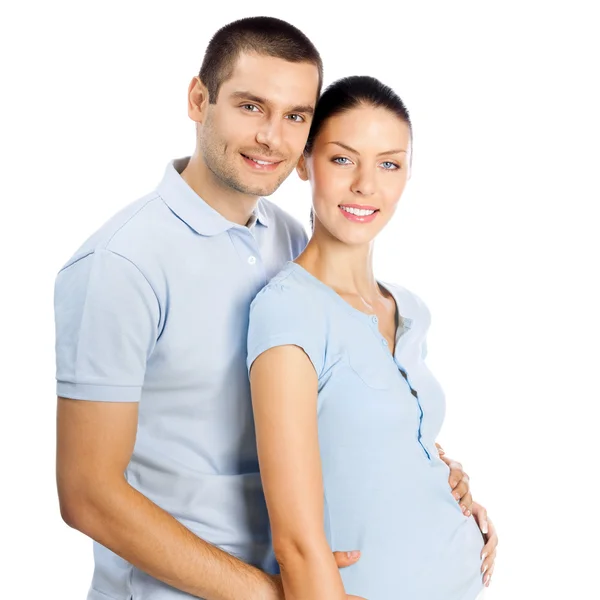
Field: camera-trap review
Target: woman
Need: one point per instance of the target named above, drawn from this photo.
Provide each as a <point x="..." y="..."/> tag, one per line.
<point x="342" y="398"/>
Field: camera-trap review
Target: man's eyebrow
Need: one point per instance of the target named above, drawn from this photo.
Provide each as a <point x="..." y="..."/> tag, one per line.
<point x="249" y="96"/>
<point x="350" y="149"/>
<point x="303" y="108"/>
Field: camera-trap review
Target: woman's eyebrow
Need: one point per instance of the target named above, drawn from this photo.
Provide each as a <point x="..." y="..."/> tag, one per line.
<point x="350" y="149"/>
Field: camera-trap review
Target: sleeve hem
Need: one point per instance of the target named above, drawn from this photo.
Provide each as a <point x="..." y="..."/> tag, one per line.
<point x="281" y="341"/>
<point x="98" y="393"/>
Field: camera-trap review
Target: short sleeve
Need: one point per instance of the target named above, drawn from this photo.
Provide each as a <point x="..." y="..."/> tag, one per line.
<point x="106" y="317"/>
<point x="281" y="316"/>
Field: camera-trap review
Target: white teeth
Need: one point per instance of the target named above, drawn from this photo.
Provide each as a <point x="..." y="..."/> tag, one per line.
<point x="359" y="212"/>
<point x="260" y="162"/>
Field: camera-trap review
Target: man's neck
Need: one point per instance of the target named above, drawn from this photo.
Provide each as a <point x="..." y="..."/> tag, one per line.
<point x="231" y="204"/>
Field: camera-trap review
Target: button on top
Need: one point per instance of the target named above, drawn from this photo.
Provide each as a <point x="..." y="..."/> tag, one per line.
<point x="384" y="342"/>
<point x="375" y="320"/>
<point x="252" y="260"/>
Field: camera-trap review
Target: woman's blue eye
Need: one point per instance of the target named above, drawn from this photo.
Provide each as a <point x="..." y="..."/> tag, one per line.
<point x="390" y="166"/>
<point x="340" y="158"/>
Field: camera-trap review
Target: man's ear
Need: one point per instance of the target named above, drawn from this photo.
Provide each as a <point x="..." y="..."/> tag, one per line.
<point x="302" y="168"/>
<point x="197" y="100"/>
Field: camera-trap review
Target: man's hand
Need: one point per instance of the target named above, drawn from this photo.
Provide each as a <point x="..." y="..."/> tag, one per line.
<point x="342" y="559"/>
<point x="488" y="554"/>
<point x="459" y="483"/>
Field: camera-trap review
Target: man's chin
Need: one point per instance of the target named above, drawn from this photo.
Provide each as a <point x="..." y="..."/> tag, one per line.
<point x="265" y="189"/>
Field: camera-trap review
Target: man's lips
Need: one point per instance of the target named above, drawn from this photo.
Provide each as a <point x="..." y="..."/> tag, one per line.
<point x="260" y="163"/>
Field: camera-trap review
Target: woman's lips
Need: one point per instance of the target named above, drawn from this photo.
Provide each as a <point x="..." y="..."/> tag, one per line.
<point x="359" y="218"/>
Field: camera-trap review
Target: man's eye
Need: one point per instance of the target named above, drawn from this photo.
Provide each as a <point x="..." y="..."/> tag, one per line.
<point x="296" y="118"/>
<point x="250" y="107"/>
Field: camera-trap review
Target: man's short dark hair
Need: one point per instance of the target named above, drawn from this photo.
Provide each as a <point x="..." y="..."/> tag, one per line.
<point x="263" y="35"/>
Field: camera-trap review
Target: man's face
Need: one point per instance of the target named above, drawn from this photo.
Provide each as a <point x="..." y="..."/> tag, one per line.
<point x="252" y="138"/>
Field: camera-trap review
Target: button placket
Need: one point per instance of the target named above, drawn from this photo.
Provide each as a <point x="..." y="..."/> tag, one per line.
<point x="414" y="392"/>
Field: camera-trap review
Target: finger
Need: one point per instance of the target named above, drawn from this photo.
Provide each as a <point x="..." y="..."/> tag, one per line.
<point x="461" y="489"/>
<point x="456" y="474"/>
<point x="492" y="530"/>
<point x="466" y="503"/>
<point x="481" y="517"/>
<point x="490" y="547"/>
<point x="491" y="538"/>
<point x="487" y="578"/>
<point x="440" y="449"/>
<point x="345" y="559"/>
<point x="491" y="542"/>
<point x="488" y="563"/>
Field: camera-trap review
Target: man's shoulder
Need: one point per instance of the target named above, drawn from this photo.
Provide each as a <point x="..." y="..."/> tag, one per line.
<point x="133" y="226"/>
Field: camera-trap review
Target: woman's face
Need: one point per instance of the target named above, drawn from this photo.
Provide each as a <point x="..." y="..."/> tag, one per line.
<point x="358" y="168"/>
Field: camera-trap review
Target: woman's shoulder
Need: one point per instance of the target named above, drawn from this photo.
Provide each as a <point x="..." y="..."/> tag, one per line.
<point x="410" y="304"/>
<point x="284" y="289"/>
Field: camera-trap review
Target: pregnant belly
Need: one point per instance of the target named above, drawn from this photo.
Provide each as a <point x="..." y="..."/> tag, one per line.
<point x="414" y="540"/>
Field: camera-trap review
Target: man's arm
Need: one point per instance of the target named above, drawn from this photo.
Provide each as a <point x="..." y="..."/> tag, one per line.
<point x="108" y="319"/>
<point x="94" y="445"/>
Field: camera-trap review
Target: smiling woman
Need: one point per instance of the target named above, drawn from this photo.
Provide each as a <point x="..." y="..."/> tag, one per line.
<point x="346" y="410"/>
<point x="357" y="157"/>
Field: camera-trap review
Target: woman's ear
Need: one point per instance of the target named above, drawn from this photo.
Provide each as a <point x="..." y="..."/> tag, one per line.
<point x="302" y="168"/>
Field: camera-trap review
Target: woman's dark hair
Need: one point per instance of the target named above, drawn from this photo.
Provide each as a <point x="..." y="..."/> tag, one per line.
<point x="263" y="35"/>
<point x="348" y="93"/>
<point x="351" y="92"/>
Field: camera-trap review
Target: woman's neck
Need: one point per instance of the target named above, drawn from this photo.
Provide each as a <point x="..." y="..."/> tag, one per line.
<point x="348" y="270"/>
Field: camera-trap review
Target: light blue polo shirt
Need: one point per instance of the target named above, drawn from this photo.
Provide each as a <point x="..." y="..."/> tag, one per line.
<point x="386" y="489"/>
<point x="153" y="308"/>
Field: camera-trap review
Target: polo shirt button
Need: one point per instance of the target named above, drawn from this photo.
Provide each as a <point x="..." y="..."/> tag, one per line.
<point x="252" y="260"/>
<point x="384" y="342"/>
<point x="375" y="320"/>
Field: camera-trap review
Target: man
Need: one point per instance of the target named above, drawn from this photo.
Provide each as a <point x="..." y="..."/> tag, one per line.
<point x="156" y="456"/>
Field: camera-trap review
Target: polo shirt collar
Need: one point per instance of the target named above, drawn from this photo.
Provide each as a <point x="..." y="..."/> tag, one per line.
<point x="194" y="211"/>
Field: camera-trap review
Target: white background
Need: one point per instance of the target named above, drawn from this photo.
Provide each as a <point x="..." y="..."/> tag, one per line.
<point x="497" y="232"/>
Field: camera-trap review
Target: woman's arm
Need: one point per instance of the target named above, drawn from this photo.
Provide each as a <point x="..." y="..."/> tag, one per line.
<point x="284" y="397"/>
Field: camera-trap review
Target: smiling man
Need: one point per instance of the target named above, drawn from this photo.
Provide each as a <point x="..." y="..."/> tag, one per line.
<point x="156" y="452"/>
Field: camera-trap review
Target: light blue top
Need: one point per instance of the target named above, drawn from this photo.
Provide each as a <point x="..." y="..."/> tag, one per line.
<point x="386" y="489"/>
<point x="153" y="308"/>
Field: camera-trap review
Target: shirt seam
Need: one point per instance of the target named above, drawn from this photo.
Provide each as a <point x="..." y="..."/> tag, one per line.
<point x="106" y="385"/>
<point x="137" y="268"/>
<point x="140" y="209"/>
<point x="87" y="291"/>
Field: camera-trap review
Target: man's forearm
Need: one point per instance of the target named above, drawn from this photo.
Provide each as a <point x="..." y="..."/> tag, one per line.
<point x="146" y="536"/>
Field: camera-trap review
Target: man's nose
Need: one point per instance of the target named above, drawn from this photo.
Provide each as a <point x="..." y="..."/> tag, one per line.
<point x="270" y="134"/>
